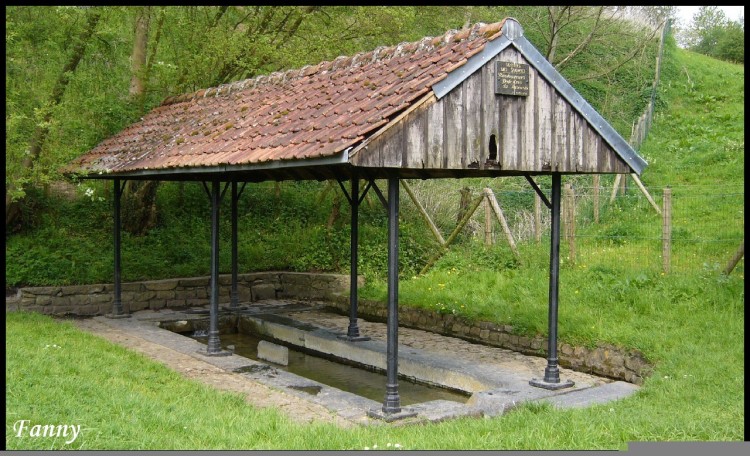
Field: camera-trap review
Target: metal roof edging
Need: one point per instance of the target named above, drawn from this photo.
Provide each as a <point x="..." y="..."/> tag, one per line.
<point x="610" y="135"/>
<point x="341" y="158"/>
<point x="475" y="62"/>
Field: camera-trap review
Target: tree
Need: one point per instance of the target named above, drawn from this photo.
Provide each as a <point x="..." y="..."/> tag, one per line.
<point x="711" y="33"/>
<point x="139" y="197"/>
<point x="14" y="195"/>
<point x="731" y="43"/>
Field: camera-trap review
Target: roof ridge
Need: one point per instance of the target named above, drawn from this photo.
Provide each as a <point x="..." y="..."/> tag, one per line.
<point x="489" y="31"/>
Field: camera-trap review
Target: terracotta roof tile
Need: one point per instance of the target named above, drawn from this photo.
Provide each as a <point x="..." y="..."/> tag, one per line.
<point x="313" y="111"/>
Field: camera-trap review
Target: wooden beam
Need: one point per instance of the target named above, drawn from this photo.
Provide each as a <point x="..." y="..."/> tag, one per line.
<point x="422" y="211"/>
<point x="454" y="234"/>
<point x="645" y="192"/>
<point x="501" y="217"/>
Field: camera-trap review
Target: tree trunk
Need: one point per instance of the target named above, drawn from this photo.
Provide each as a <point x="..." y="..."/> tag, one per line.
<point x="139" y="197"/>
<point x="139" y="206"/>
<point x="13" y="208"/>
<point x="138" y="57"/>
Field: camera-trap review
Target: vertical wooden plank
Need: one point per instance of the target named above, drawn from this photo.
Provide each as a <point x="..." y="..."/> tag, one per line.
<point x="585" y="166"/>
<point x="570" y="140"/>
<point x="509" y="122"/>
<point x="545" y="127"/>
<point x="454" y="134"/>
<point x="416" y="140"/>
<point x="392" y="145"/>
<point x="534" y="119"/>
<point x="501" y="128"/>
<point x="473" y="101"/>
<point x="560" y="133"/>
<point x="490" y="119"/>
<point x="592" y="155"/>
<point x="601" y="154"/>
<point x="435" y="135"/>
<point x="526" y="144"/>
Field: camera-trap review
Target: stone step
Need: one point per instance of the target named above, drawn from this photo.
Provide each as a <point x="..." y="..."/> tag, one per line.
<point x="592" y="396"/>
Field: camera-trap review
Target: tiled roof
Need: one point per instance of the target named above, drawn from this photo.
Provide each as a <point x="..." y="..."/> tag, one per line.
<point x="316" y="111"/>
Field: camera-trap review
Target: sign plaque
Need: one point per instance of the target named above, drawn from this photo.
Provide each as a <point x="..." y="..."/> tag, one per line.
<point x="512" y="79"/>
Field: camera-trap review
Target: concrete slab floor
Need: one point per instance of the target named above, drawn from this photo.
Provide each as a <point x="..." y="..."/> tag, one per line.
<point x="498" y="379"/>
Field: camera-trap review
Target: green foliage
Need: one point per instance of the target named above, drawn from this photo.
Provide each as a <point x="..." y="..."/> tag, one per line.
<point x="712" y="34"/>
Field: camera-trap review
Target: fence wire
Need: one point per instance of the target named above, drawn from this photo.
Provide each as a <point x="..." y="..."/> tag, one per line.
<point x="705" y="227"/>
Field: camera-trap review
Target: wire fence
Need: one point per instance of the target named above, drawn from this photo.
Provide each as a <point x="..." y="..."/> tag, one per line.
<point x="687" y="228"/>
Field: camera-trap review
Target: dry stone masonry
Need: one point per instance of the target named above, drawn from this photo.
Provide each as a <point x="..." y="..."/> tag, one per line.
<point x="606" y="360"/>
<point x="177" y="293"/>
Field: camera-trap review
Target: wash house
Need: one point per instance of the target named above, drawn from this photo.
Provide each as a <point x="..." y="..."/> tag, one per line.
<point x="480" y="102"/>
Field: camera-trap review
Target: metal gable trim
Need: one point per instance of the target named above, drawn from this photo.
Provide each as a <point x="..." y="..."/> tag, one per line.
<point x="597" y="122"/>
<point x="475" y="62"/>
<point x="340" y="158"/>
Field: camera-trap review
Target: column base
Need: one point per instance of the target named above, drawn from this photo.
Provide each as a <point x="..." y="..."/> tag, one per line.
<point x="389" y="417"/>
<point x="232" y="309"/>
<point x="205" y="352"/>
<point x="353" y="339"/>
<point x="540" y="383"/>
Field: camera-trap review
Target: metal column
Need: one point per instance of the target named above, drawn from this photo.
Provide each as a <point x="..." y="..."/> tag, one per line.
<point x="352" y="332"/>
<point x="391" y="409"/>
<point x="234" y="298"/>
<point x="552" y="372"/>
<point x="117" y="311"/>
<point x="214" y="344"/>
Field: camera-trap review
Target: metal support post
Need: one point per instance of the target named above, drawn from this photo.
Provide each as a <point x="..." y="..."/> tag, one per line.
<point x="117" y="311"/>
<point x="214" y="344"/>
<point x="392" y="402"/>
<point x="234" y="298"/>
<point x="552" y="372"/>
<point x="352" y="332"/>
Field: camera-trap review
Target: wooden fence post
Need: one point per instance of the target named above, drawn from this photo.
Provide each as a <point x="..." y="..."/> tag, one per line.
<point x="735" y="259"/>
<point x="503" y="223"/>
<point x="645" y="192"/>
<point x="537" y="218"/>
<point x="571" y="221"/>
<point x="487" y="222"/>
<point x="666" y="232"/>
<point x="425" y="216"/>
<point x="615" y="187"/>
<point x="596" y="198"/>
<point x="467" y="215"/>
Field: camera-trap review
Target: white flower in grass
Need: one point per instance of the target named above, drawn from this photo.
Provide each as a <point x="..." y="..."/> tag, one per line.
<point x="397" y="445"/>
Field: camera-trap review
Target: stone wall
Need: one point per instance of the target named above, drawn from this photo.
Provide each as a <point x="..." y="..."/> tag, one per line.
<point x="605" y="360"/>
<point x="178" y="293"/>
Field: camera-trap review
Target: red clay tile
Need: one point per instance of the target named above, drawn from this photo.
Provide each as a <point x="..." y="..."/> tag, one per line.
<point x="313" y="111"/>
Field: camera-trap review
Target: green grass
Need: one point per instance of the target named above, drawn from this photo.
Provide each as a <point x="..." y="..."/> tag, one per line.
<point x="688" y="323"/>
<point x="124" y="401"/>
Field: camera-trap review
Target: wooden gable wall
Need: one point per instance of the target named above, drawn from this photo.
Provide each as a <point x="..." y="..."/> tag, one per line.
<point x="538" y="133"/>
